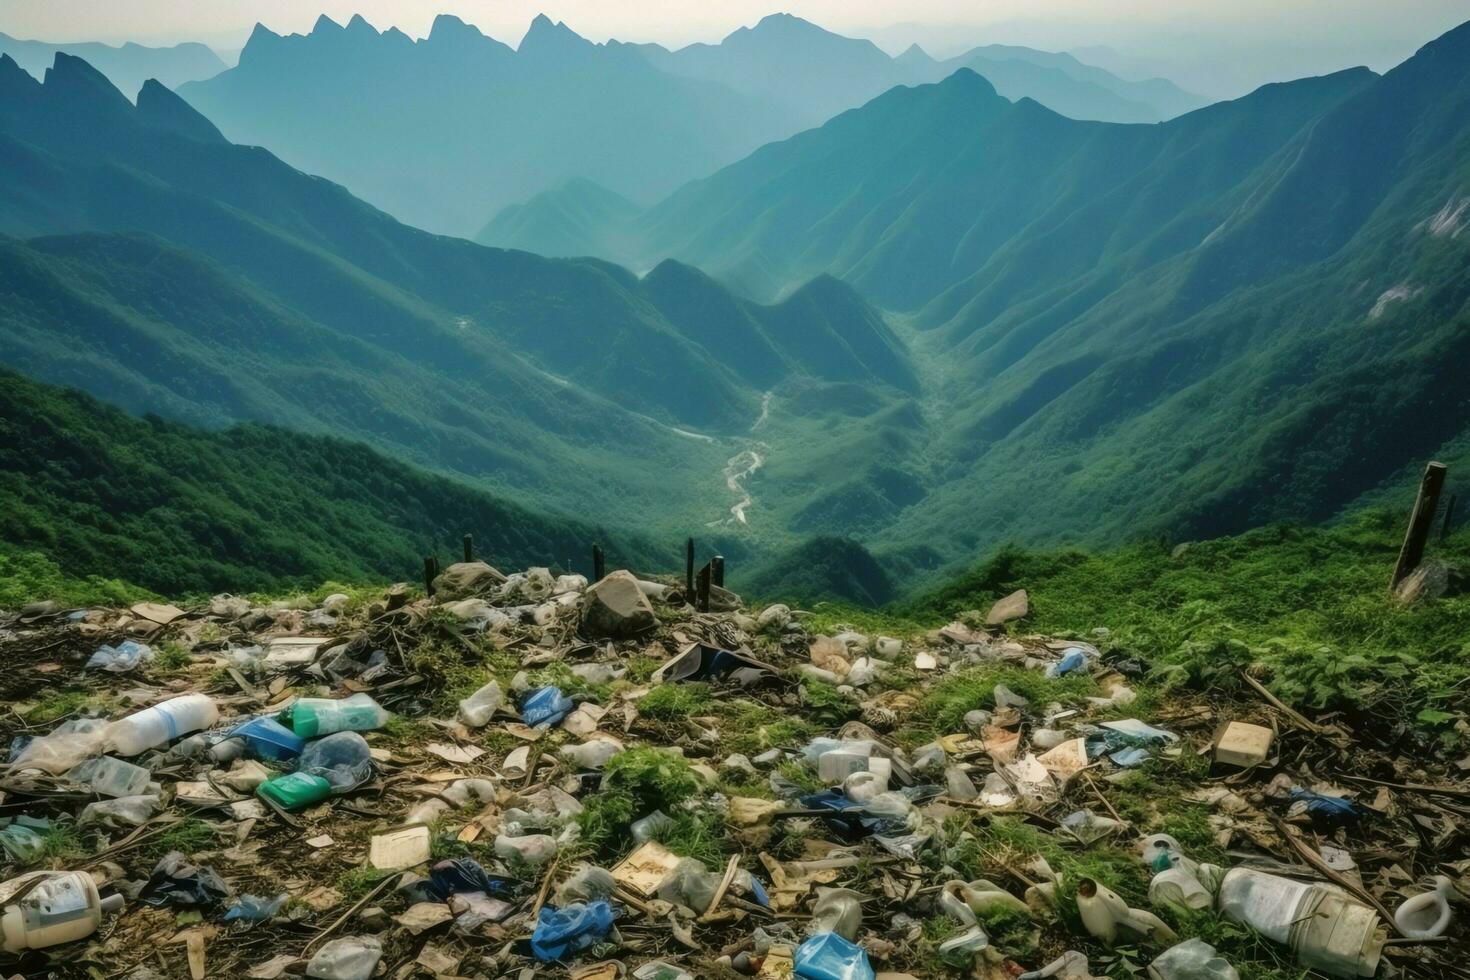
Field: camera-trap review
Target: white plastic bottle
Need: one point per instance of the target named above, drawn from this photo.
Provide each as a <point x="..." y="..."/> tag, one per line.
<point x="60" y="907"/>
<point x="1328" y="929"/>
<point x="161" y="724"/>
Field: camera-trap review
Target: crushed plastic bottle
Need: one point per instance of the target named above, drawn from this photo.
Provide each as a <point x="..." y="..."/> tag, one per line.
<point x="111" y="777"/>
<point x="1193" y="959"/>
<point x="54" y="907"/>
<point x="343" y="759"/>
<point x="348" y="958"/>
<point x="63" y="748"/>
<point x="310" y="717"/>
<point x="22" y="844"/>
<point x="125" y="811"/>
<point x="161" y="724"/>
<point x="593" y="753"/>
<point x="647" y="828"/>
<point x="827" y="956"/>
<point x="252" y="909"/>
<point x="477" y="709"/>
<point x="533" y="849"/>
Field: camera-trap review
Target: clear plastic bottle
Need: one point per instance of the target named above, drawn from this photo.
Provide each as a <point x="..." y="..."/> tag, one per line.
<point x="161" y="724"/>
<point x="59" y="907"/>
<point x="310" y="717"/>
<point x="111" y="777"/>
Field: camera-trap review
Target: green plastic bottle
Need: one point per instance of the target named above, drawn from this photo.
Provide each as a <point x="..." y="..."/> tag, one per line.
<point x="295" y="790"/>
<point x="310" y="717"/>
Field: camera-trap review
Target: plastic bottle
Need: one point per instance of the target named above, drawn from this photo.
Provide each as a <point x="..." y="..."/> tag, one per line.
<point x="1103" y="912"/>
<point x="310" y="717"/>
<point x="1325" y="928"/>
<point x="294" y="791"/>
<point x="477" y="709"/>
<point x="111" y="777"/>
<point x="60" y="907"/>
<point x="534" y="849"/>
<point x="266" y="738"/>
<point x="161" y="724"/>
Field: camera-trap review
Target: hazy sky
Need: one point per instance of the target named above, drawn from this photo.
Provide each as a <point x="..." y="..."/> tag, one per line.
<point x="1248" y="38"/>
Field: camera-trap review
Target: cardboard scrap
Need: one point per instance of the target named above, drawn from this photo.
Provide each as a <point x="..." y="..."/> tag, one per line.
<point x="399" y="849"/>
<point x="643" y="870"/>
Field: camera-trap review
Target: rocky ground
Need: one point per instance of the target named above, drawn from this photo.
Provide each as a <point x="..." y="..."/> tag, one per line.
<point x="968" y="801"/>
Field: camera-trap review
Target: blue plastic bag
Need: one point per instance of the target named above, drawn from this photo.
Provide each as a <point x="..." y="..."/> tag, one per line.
<point x="252" y="908"/>
<point x="1074" y="659"/>
<point x="1321" y="805"/>
<point x="561" y="932"/>
<point x="827" y="956"/>
<point x="545" y="706"/>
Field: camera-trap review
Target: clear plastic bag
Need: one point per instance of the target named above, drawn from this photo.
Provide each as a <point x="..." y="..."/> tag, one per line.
<point x="342" y="759"/>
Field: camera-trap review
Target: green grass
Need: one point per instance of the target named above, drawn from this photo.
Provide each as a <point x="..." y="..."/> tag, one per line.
<point x="1308" y="609"/>
<point x="943" y="708"/>
<point x="750" y="728"/>
<point x="60" y="704"/>
<point x="189" y="836"/>
<point x="668" y="702"/>
<point x="354" y="883"/>
<point x="170" y="657"/>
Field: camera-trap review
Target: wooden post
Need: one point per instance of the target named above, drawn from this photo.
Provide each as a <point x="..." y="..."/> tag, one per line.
<point x="701" y="590"/>
<point x="429" y="564"/>
<point x="689" y="568"/>
<point x="1445" y="525"/>
<point x="717" y="570"/>
<point x="1421" y="520"/>
<point x="599" y="563"/>
<point x="469" y="548"/>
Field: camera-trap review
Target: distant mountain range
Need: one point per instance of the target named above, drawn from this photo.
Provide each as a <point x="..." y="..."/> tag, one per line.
<point x="446" y="131"/>
<point x="127" y="66"/>
<point x="212" y="283"/>
<point x="1254" y="311"/>
<point x="974" y="319"/>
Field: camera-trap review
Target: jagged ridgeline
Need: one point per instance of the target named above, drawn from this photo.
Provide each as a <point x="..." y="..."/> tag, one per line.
<point x="177" y="510"/>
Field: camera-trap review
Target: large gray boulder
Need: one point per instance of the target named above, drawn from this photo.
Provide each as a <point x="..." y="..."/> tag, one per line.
<point x="1014" y="606"/>
<point x="616" y="607"/>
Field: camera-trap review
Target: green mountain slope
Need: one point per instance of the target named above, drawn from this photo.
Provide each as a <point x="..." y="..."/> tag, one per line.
<point x="180" y="510"/>
<point x="281" y="298"/>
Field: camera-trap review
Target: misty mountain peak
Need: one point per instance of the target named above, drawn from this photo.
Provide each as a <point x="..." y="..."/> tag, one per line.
<point x="359" y="25"/>
<point x="70" y="76"/>
<point x="15" y="78"/>
<point x="326" y="26"/>
<point x="914" y="55"/>
<point x="546" y="36"/>
<point x="447" y="27"/>
<point x="162" y="109"/>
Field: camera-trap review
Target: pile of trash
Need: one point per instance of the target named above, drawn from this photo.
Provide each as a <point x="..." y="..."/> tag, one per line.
<point x="532" y="775"/>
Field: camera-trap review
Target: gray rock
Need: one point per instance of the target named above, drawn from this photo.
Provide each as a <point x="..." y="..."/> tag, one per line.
<point x="615" y="607"/>
<point x="1014" y="606"/>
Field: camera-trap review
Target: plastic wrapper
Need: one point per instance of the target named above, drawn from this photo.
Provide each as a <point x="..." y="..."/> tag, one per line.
<point x="477" y="709"/>
<point x="827" y="956"/>
<point x="125" y="811"/>
<point x="343" y="760"/>
<point x="562" y="932"/>
<point x="545" y="706"/>
<point x="175" y="881"/>
<point x="121" y="658"/>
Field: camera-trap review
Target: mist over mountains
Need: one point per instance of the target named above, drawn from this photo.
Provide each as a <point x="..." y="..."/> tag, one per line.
<point x="445" y="131"/>
<point x="127" y="66"/>
<point x="943" y="319"/>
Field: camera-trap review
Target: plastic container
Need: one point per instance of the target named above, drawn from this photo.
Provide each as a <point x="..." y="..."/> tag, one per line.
<point x="1326" y="929"/>
<point x="343" y="759"/>
<point x="294" y="791"/>
<point x="54" y="907"/>
<point x="348" y="958"/>
<point x="827" y="956"/>
<point x="1104" y="912"/>
<point x="266" y="738"/>
<point x="161" y="724"/>
<point x="837" y="910"/>
<point x="592" y="754"/>
<point x="111" y="777"/>
<point x="477" y="709"/>
<point x="310" y="717"/>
